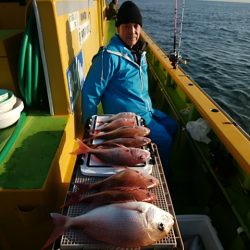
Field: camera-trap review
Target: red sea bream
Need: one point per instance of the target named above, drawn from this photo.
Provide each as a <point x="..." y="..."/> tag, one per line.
<point x="128" y="178"/>
<point x="130" y="224"/>
<point x="117" y="156"/>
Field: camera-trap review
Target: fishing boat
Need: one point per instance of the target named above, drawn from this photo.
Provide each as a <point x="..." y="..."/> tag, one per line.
<point x="46" y="47"/>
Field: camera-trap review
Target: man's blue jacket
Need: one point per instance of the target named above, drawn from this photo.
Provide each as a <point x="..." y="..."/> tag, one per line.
<point x="118" y="82"/>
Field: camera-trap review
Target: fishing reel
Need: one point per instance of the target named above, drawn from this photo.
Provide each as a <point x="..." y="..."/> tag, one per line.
<point x="176" y="59"/>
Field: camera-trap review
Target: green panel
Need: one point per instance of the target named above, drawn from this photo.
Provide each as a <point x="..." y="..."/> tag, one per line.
<point x="4" y="135"/>
<point x="29" y="160"/>
<point x="4" y="34"/>
<point x="164" y="91"/>
<point x="110" y="31"/>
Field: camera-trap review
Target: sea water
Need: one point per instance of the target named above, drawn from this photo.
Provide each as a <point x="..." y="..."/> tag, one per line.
<point x="215" y="40"/>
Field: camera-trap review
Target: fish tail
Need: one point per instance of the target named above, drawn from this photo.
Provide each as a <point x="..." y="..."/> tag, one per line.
<point x="83" y="148"/>
<point x="60" y="222"/>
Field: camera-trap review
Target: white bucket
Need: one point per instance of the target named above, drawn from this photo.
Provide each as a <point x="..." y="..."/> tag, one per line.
<point x="7" y="103"/>
<point x="10" y="117"/>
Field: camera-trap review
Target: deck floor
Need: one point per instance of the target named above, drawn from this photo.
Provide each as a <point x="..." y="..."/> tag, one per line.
<point x="27" y="163"/>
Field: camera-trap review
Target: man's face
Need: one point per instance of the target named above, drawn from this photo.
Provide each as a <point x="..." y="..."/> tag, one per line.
<point x="129" y="33"/>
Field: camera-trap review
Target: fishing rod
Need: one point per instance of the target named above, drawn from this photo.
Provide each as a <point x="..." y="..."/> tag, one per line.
<point x="175" y="56"/>
<point x="182" y="17"/>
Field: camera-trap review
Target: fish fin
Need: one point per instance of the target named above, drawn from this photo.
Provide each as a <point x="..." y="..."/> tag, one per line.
<point x="100" y="127"/>
<point x="119" y="145"/>
<point x="131" y="206"/>
<point x="112" y="144"/>
<point x="100" y="146"/>
<point x="59" y="221"/>
<point x="136" y="136"/>
<point x="83" y="148"/>
<point x="91" y="145"/>
<point x="73" y="198"/>
<point x="86" y="140"/>
<point x="95" y="132"/>
<point x="82" y="187"/>
<point x="121" y="188"/>
<point x="93" y="135"/>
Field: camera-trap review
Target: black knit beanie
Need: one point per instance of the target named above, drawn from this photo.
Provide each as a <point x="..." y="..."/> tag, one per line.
<point x="128" y="13"/>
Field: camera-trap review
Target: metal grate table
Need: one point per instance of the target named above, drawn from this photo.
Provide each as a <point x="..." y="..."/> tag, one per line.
<point x="75" y="239"/>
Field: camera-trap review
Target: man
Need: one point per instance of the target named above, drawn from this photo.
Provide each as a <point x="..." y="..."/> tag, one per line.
<point x="112" y="10"/>
<point x="118" y="79"/>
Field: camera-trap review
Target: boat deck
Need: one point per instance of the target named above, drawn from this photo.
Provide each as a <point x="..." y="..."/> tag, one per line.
<point x="29" y="158"/>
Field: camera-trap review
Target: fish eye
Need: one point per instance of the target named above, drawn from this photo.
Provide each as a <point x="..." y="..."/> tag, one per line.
<point x="161" y="227"/>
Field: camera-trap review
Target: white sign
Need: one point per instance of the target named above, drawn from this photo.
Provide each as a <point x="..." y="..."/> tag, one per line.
<point x="83" y="32"/>
<point x="74" y="20"/>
